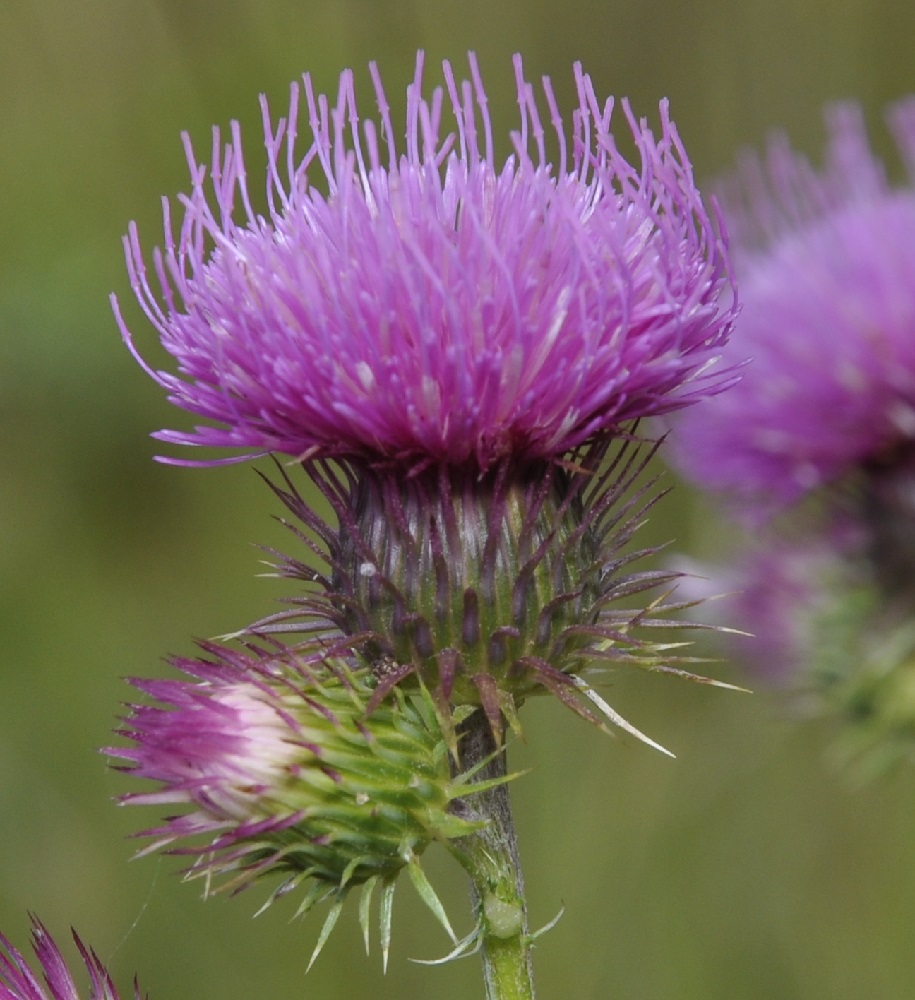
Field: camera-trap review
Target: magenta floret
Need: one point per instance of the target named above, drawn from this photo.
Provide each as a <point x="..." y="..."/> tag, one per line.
<point x="827" y="269"/>
<point x="217" y="745"/>
<point x="432" y="304"/>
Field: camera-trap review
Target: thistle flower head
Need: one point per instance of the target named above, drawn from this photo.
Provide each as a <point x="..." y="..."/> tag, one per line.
<point x="826" y="261"/>
<point x="279" y="770"/>
<point x="431" y="304"/>
<point x="19" y="982"/>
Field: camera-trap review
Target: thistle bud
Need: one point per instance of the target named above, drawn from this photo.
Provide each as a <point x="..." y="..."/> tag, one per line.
<point x="280" y="771"/>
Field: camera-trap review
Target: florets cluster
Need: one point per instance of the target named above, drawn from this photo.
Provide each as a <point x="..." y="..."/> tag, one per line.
<point x="827" y="266"/>
<point x="432" y="304"/>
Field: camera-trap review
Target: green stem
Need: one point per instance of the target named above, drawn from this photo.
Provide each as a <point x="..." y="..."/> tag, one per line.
<point x="490" y="857"/>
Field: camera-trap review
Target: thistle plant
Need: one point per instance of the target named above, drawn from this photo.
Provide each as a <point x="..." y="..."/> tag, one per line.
<point x="453" y="353"/>
<point x="815" y="447"/>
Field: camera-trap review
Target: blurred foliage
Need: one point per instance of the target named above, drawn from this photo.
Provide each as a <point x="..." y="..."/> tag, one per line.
<point x="744" y="869"/>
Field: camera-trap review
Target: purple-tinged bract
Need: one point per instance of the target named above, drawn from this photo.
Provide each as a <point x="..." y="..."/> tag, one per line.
<point x="430" y="304"/>
<point x="826" y="262"/>
<point x="19" y="982"/>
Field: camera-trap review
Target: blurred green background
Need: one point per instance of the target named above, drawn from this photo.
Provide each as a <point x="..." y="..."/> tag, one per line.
<point x="748" y="868"/>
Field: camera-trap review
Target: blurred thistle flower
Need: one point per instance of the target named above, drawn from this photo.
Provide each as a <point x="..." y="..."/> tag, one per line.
<point x="826" y="262"/>
<point x="465" y="340"/>
<point x="777" y="586"/>
<point x="18" y="982"/>
<point x="822" y="632"/>
<point x="815" y="446"/>
<point x="282" y="771"/>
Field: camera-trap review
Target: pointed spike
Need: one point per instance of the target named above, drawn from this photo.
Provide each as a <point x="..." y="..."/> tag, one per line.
<point x="315" y="894"/>
<point x="546" y="928"/>
<point x="329" y="925"/>
<point x="615" y="717"/>
<point x="462" y="787"/>
<point x="467" y="946"/>
<point x="510" y="712"/>
<point x="447" y="724"/>
<point x="697" y="678"/>
<point x="563" y="690"/>
<point x="386" y="684"/>
<point x="386" y="909"/>
<point x="365" y="907"/>
<point x="283" y="889"/>
<point x="429" y="896"/>
<point x="489" y="699"/>
<point x="448" y="664"/>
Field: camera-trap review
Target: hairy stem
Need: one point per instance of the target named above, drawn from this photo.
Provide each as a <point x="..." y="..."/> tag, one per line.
<point x="490" y="857"/>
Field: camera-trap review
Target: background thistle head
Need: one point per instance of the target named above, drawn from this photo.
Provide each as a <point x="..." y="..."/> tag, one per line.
<point x="814" y="446"/>
<point x="826" y="263"/>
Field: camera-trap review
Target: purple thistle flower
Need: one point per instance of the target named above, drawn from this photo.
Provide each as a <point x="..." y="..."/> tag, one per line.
<point x="430" y="305"/>
<point x="827" y="267"/>
<point x="18" y="982"/>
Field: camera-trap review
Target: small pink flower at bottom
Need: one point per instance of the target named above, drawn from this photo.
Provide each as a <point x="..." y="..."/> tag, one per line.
<point x="19" y="982"/>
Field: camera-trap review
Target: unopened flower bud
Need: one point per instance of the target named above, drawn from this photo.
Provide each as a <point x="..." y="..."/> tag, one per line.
<point x="281" y="771"/>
